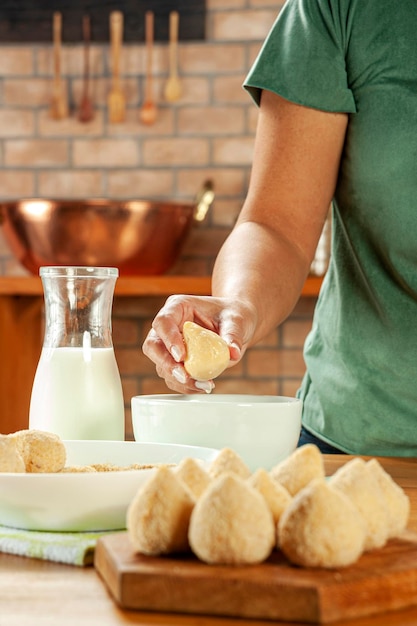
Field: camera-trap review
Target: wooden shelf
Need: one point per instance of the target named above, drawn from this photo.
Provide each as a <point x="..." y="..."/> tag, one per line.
<point x="139" y="285"/>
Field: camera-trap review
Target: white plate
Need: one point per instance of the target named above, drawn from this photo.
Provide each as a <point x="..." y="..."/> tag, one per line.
<point x="86" y="501"/>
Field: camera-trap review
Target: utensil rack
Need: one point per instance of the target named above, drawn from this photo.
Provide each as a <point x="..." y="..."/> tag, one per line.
<point x="22" y="22"/>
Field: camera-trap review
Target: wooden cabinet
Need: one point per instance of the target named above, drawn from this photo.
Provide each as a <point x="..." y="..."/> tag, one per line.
<point x="21" y="330"/>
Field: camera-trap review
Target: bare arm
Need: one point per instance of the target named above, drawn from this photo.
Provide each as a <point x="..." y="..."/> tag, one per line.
<point x="267" y="257"/>
<point x="260" y="270"/>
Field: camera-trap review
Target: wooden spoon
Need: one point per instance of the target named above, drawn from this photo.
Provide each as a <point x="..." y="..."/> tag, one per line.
<point x="86" y="111"/>
<point x="116" y="99"/>
<point x="59" y="105"/>
<point x="147" y="113"/>
<point x="173" y="89"/>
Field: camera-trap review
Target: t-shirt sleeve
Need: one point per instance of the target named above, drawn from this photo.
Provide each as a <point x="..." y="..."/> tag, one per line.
<point x="303" y="57"/>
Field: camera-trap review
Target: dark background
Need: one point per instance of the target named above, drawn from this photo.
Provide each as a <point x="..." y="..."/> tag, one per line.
<point x="31" y="20"/>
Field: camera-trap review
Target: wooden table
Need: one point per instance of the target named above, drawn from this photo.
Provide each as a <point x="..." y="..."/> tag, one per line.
<point x="40" y="593"/>
<point x="21" y="330"/>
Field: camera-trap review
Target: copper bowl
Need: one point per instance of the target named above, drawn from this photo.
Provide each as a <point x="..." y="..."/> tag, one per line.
<point x="140" y="237"/>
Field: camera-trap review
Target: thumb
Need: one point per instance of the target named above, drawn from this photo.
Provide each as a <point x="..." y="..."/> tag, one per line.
<point x="231" y="335"/>
<point x="235" y="351"/>
<point x="237" y="326"/>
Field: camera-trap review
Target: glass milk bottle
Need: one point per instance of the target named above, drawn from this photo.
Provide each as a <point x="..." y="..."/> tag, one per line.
<point x="77" y="392"/>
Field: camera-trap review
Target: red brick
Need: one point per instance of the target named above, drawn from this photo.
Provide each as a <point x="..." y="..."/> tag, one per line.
<point x="294" y="333"/>
<point x="36" y="152"/>
<point x="229" y="25"/>
<point x="272" y="363"/>
<point x="125" y="332"/>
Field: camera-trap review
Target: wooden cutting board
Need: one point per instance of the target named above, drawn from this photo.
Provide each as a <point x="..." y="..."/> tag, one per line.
<point x="380" y="581"/>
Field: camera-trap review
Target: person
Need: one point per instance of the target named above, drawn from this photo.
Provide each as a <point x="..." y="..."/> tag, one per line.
<point x="336" y="85"/>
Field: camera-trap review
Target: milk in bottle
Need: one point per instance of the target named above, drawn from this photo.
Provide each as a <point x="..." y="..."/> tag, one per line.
<point x="77" y="391"/>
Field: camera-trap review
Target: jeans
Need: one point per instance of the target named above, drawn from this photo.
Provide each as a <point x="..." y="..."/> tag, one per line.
<point x="325" y="448"/>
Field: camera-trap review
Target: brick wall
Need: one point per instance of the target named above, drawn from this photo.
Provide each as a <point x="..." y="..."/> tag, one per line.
<point x="207" y="133"/>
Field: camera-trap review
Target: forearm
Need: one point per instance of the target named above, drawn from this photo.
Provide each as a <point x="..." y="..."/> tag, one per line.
<point x="258" y="266"/>
<point x="261" y="269"/>
<point x="266" y="259"/>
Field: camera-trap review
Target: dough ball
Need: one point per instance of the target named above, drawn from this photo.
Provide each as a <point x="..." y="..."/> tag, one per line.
<point x="297" y="470"/>
<point x="10" y="458"/>
<point x="41" y="451"/>
<point x="357" y="482"/>
<point x="231" y="523"/>
<point x="193" y="475"/>
<point x="158" y="517"/>
<point x="276" y="496"/>
<point x="397" y="501"/>
<point x="321" y="528"/>
<point x="229" y="461"/>
<point x="208" y="354"/>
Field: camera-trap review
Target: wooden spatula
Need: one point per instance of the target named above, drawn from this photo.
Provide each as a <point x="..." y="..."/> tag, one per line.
<point x="147" y="113"/>
<point x="86" y="111"/>
<point x="59" y="104"/>
<point x="116" y="99"/>
<point x="173" y="89"/>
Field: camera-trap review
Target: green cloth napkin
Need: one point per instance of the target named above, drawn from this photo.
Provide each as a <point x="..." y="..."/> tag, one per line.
<point x="72" y="548"/>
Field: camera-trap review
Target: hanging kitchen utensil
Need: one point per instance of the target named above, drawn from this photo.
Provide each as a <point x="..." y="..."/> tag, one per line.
<point x="116" y="99"/>
<point x="173" y="89"/>
<point x="86" y="110"/>
<point x="147" y="113"/>
<point x="59" y="105"/>
<point x="204" y="200"/>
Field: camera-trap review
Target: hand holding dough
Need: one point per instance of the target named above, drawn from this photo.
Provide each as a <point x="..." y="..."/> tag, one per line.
<point x="207" y="353"/>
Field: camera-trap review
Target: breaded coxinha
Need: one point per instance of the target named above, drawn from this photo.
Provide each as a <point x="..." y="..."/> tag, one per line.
<point x="231" y="523"/>
<point x="396" y="500"/>
<point x="275" y="494"/>
<point x="158" y="517"/>
<point x="321" y="528"/>
<point x="228" y="461"/>
<point x="35" y="451"/>
<point x="226" y="515"/>
<point x="193" y="475"/>
<point x="301" y="467"/>
<point x="384" y="509"/>
<point x="10" y="458"/>
<point x="41" y="451"/>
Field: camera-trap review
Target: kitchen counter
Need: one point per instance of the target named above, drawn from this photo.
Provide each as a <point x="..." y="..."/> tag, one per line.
<point x="35" y="592"/>
<point x="21" y="330"/>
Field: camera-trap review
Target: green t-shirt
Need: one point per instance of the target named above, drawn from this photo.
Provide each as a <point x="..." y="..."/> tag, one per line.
<point x="360" y="57"/>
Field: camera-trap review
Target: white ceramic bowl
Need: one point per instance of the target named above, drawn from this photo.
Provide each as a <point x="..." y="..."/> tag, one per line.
<point x="263" y="430"/>
<point x="86" y="501"/>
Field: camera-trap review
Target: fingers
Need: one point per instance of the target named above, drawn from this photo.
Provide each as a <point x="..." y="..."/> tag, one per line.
<point x="178" y="309"/>
<point x="234" y="321"/>
<point x="237" y="327"/>
<point x="167" y="326"/>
